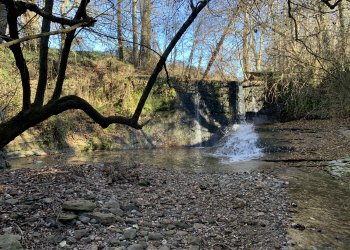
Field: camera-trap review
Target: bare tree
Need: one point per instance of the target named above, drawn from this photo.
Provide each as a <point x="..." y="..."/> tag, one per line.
<point x="34" y="113"/>
<point x="218" y="46"/>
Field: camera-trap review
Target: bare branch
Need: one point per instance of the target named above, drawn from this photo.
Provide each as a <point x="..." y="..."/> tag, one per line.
<point x="81" y="12"/>
<point x="164" y="57"/>
<point x="45" y="34"/>
<point x="331" y="6"/>
<point x="22" y="7"/>
<point x="18" y="54"/>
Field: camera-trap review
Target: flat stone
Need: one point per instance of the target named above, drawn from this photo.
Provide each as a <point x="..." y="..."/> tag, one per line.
<point x="67" y="217"/>
<point x="104" y="218"/>
<point x="10" y="242"/>
<point x="196" y="241"/>
<point x="198" y="226"/>
<point x="155" y="236"/>
<point x="112" y="204"/>
<point x="78" y="234"/>
<point x="130" y="233"/>
<point x="135" y="247"/>
<point x="117" y="211"/>
<point x="47" y="200"/>
<point x="11" y="201"/>
<point x="79" y="205"/>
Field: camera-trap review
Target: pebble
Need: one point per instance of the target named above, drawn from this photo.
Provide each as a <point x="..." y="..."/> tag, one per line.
<point x="163" y="218"/>
<point x="63" y="243"/>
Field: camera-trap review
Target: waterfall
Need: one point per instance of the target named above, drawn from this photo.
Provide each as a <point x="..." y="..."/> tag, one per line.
<point x="197" y="116"/>
<point x="240" y="141"/>
<point x="240" y="109"/>
<point x="239" y="144"/>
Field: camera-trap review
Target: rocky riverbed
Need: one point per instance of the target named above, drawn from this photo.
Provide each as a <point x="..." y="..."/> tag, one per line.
<point x="131" y="206"/>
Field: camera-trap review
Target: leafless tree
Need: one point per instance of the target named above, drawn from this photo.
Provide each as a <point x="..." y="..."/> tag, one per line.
<point x="35" y="112"/>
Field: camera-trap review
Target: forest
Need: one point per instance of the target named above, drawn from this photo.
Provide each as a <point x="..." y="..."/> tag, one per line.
<point x="174" y="124"/>
<point x="303" y="45"/>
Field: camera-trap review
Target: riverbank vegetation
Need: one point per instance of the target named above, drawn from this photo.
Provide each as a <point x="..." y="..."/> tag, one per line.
<point x="302" y="47"/>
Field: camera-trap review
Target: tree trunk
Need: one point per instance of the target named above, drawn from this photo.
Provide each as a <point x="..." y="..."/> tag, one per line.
<point x="44" y="49"/>
<point x="3" y="21"/>
<point x="193" y="48"/>
<point x="342" y="36"/>
<point x="218" y="47"/>
<point x="31" y="22"/>
<point x="135" y="38"/>
<point x="119" y="31"/>
<point x="145" y="33"/>
<point x="246" y="45"/>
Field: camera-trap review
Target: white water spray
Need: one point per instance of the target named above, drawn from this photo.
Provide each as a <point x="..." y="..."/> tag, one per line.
<point x="239" y="144"/>
<point x="240" y="141"/>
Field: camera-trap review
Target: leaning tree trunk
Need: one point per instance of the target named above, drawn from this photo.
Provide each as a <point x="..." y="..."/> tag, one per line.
<point x="217" y="48"/>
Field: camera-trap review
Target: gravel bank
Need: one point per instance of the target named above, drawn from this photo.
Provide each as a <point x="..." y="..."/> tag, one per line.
<point x="117" y="206"/>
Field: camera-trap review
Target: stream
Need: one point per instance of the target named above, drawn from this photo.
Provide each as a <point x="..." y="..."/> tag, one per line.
<point x="320" y="202"/>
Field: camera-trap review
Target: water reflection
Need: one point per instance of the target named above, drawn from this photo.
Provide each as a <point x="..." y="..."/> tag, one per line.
<point x="189" y="159"/>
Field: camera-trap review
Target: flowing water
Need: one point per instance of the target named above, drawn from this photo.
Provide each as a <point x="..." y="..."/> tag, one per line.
<point x="322" y="200"/>
<point x="239" y="144"/>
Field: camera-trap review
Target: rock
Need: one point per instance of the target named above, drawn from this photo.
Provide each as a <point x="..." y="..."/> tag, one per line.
<point x="193" y="247"/>
<point x="155" y="236"/>
<point x="63" y="243"/>
<point x="84" y="219"/>
<point x="78" y="234"/>
<point x="10" y="242"/>
<point x="114" y="242"/>
<point x="144" y="183"/>
<point x="238" y="203"/>
<point x="67" y="217"/>
<point x="104" y="218"/>
<point x="112" y="204"/>
<point x="117" y="211"/>
<point x="181" y="233"/>
<point x="195" y="240"/>
<point x="130" y="233"/>
<point x="135" y="247"/>
<point x="79" y="205"/>
<point x="47" y="200"/>
<point x="298" y="226"/>
<point x="164" y="248"/>
<point x="3" y="162"/>
<point x="198" y="226"/>
<point x="11" y="201"/>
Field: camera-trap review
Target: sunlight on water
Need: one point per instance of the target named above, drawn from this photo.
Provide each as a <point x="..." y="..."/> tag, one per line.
<point x="239" y="144"/>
